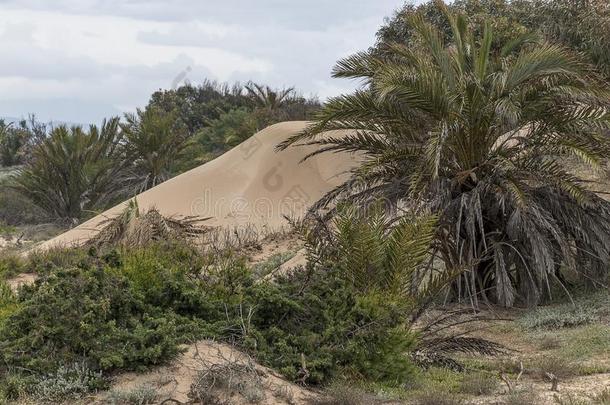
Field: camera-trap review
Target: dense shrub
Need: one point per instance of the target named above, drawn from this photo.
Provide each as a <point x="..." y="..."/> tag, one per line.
<point x="122" y="309"/>
<point x="85" y="314"/>
<point x="311" y="325"/>
<point x="16" y="209"/>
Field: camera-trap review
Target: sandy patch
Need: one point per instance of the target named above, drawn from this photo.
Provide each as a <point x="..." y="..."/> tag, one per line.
<point x="173" y="382"/>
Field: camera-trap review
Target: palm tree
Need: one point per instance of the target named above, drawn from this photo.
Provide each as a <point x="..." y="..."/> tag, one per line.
<point x="73" y="170"/>
<point x="155" y="142"/>
<point x="268" y="99"/>
<point x="485" y="140"/>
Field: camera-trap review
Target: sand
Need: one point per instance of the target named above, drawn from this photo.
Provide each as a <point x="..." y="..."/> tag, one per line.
<point x="250" y="184"/>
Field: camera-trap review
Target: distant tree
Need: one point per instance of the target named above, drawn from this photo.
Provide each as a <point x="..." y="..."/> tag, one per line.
<point x="17" y="139"/>
<point x="73" y="170"/>
<point x="227" y="131"/>
<point x="266" y="98"/>
<point x="582" y="25"/>
<point x="197" y="106"/>
<point x="155" y="143"/>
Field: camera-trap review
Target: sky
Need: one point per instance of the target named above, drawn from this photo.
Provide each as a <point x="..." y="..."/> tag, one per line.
<point x="83" y="60"/>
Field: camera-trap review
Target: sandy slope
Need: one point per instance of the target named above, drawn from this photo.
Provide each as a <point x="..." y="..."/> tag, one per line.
<point x="250" y="184"/>
<point x="174" y="380"/>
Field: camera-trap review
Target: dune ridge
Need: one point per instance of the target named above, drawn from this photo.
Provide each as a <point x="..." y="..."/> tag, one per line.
<point x="252" y="184"/>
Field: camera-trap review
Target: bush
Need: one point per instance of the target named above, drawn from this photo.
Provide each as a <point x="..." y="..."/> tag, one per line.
<point x="141" y="395"/>
<point x="479" y="384"/>
<point x="562" y="316"/>
<point x="85" y="315"/>
<point x="10" y="265"/>
<point x="8" y="302"/>
<point x="66" y="383"/>
<point x="16" y="209"/>
<point x="312" y="325"/>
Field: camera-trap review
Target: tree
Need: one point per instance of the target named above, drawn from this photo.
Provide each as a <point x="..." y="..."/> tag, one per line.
<point x="155" y="144"/>
<point x="582" y="25"/>
<point x="73" y="170"/>
<point x="17" y="140"/>
<point x="484" y="139"/>
<point x="266" y="98"/>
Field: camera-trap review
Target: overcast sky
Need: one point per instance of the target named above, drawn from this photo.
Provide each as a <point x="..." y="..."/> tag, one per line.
<point x="83" y="60"/>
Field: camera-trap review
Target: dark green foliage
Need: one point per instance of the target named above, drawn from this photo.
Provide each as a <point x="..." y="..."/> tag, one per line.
<point x="155" y="143"/>
<point x="87" y="315"/>
<point x="73" y="171"/>
<point x="484" y="138"/>
<point x="17" y="209"/>
<point x="582" y="25"/>
<point x="226" y="131"/>
<point x="17" y="138"/>
<point x="313" y="325"/>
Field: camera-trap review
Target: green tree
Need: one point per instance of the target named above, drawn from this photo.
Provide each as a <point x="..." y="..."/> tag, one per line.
<point x="484" y="139"/>
<point x="156" y="142"/>
<point x="582" y="25"/>
<point x="73" y="170"/>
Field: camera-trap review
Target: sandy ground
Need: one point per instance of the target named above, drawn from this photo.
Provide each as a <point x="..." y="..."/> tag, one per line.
<point x="173" y="382"/>
<point x="251" y="185"/>
<point x="21" y="279"/>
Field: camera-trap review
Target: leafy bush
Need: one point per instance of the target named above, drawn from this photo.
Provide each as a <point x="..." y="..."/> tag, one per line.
<point x="85" y="315"/>
<point x="311" y="325"/>
<point x="8" y="302"/>
<point x="10" y="264"/>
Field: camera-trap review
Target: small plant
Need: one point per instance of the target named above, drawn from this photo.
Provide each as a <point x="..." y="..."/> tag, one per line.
<point x="267" y="267"/>
<point x="437" y="397"/>
<point x="569" y="399"/>
<point x="347" y="395"/>
<point x="549" y="343"/>
<point x="479" y="384"/>
<point x="285" y="393"/>
<point x="562" y="316"/>
<point x="559" y="367"/>
<point x="216" y="382"/>
<point x="522" y="396"/>
<point x="66" y="383"/>
<point x="141" y="395"/>
<point x="603" y="398"/>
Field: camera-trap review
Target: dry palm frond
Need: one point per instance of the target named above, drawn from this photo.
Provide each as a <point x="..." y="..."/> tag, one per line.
<point x="439" y="340"/>
<point x="132" y="229"/>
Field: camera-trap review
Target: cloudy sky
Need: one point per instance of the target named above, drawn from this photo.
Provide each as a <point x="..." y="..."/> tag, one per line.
<point x="82" y="60"/>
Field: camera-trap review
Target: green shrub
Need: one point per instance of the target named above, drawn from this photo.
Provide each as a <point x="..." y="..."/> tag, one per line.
<point x="10" y="265"/>
<point x="8" y="302"/>
<point x="263" y="269"/>
<point x="311" y="325"/>
<point x="85" y="315"/>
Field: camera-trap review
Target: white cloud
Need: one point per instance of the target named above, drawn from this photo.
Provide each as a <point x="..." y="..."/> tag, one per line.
<point x="110" y="55"/>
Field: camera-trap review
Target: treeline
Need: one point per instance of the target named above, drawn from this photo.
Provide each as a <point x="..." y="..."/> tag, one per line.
<point x="580" y="25"/>
<point x="69" y="172"/>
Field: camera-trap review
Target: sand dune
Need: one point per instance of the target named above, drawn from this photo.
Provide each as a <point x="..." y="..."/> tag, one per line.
<point x="250" y="184"/>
